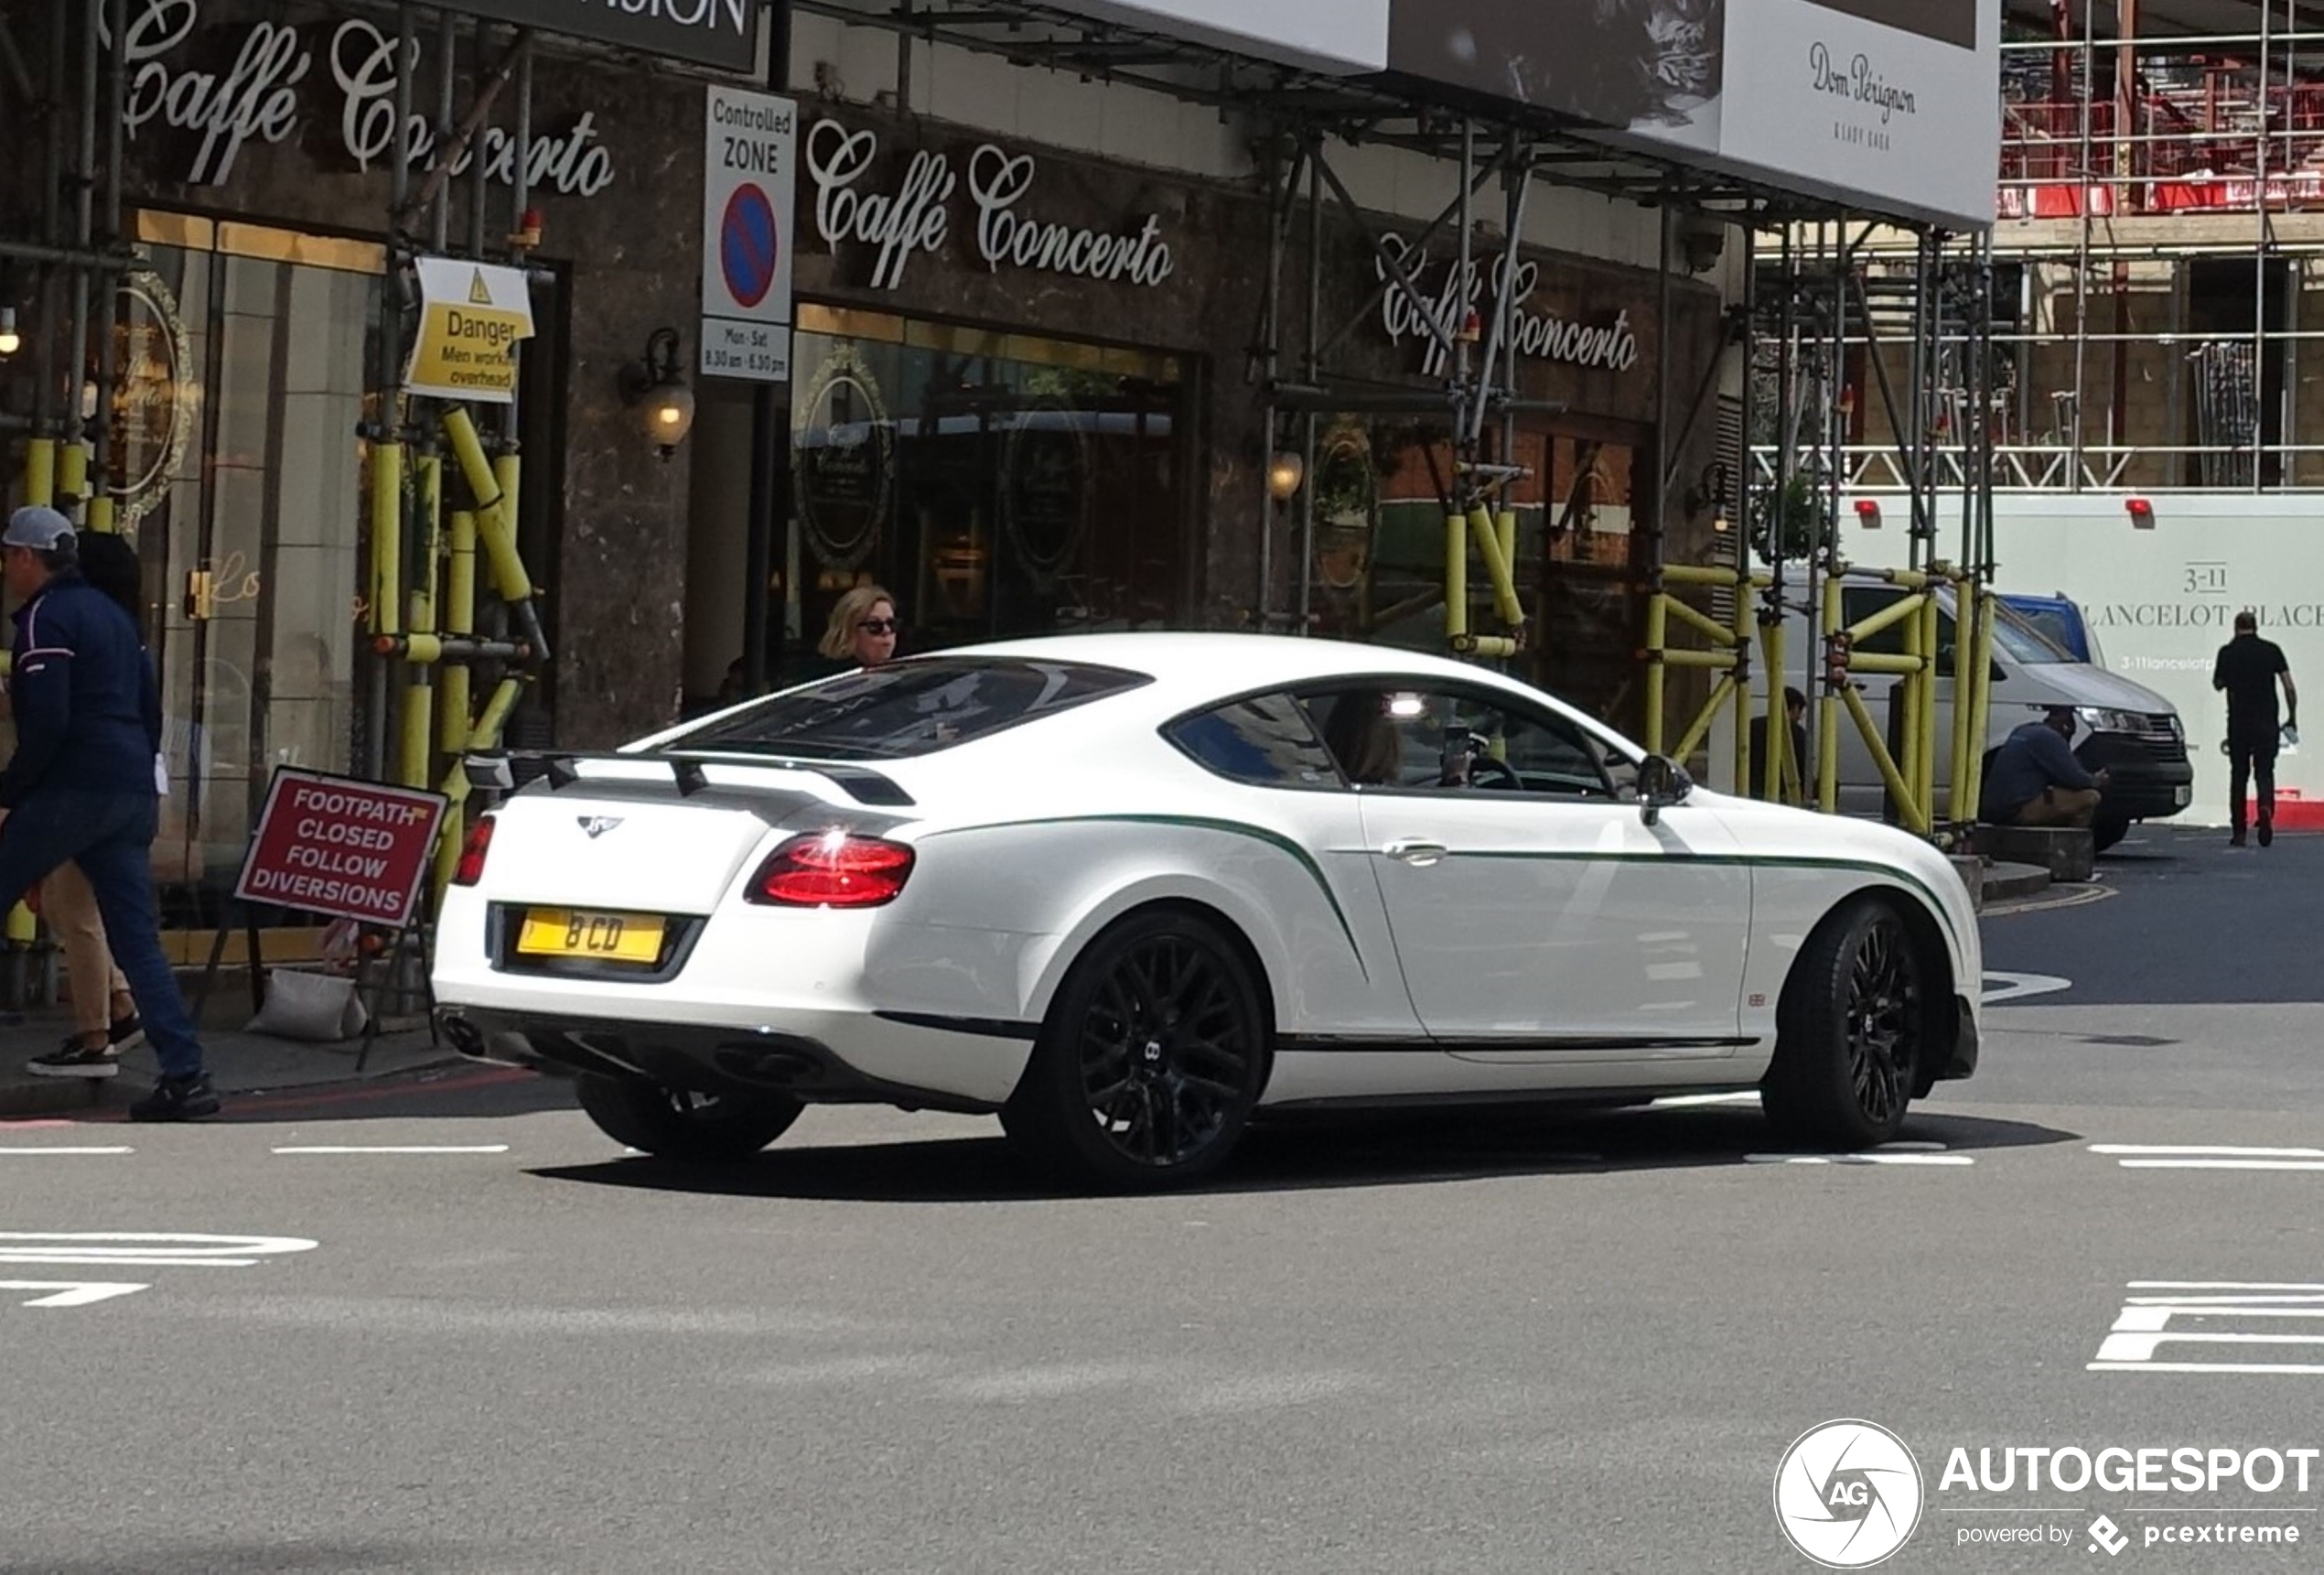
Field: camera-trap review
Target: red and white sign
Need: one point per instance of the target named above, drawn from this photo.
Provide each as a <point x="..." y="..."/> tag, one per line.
<point x="338" y="845"/>
<point x="750" y="177"/>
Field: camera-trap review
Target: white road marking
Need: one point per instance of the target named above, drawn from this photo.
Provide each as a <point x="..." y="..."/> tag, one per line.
<point x="144" y="1248"/>
<point x="58" y="1150"/>
<point x="398" y="1149"/>
<point x="1898" y="1153"/>
<point x="69" y="1292"/>
<point x="2208" y="1157"/>
<point x="2017" y="987"/>
<point x="2147" y="1323"/>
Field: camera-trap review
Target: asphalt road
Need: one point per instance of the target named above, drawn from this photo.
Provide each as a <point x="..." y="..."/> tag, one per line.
<point x="1422" y="1345"/>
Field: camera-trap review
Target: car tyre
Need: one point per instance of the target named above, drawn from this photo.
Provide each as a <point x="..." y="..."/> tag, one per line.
<point x="1150" y="1060"/>
<point x="1851" y="1031"/>
<point x="2107" y="830"/>
<point x="674" y="1124"/>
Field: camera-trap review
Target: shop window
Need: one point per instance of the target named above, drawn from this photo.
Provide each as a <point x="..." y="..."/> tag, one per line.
<point x="240" y="482"/>
<point x="1000" y="485"/>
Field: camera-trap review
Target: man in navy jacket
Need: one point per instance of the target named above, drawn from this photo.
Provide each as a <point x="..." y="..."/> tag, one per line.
<point x="82" y="785"/>
<point x="2036" y="781"/>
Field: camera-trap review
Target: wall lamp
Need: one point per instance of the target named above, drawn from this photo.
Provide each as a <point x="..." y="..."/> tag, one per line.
<point x="2142" y="514"/>
<point x="1710" y="491"/>
<point x="657" y="389"/>
<point x="1285" y="472"/>
<point x="1867" y="514"/>
<point x="11" y="340"/>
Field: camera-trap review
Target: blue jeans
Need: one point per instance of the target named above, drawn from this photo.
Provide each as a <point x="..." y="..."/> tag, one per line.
<point x="111" y="836"/>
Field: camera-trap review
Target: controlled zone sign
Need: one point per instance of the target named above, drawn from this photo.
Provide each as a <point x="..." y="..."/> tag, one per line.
<point x="472" y="317"/>
<point x="749" y="176"/>
<point x="341" y="846"/>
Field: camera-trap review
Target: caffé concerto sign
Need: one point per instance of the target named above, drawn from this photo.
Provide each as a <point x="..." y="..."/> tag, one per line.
<point x="913" y="218"/>
<point x="1543" y="335"/>
<point x="256" y="98"/>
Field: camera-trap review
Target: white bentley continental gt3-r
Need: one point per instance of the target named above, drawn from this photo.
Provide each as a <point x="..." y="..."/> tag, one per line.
<point x="1127" y="890"/>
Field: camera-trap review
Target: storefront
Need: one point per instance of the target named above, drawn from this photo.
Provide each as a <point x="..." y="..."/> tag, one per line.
<point x="248" y="339"/>
<point x="1019" y="402"/>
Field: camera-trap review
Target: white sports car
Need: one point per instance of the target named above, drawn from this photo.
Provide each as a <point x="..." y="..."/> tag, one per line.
<point x="1125" y="890"/>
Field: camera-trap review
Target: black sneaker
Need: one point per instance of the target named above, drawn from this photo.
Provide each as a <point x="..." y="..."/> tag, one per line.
<point x="76" y="1060"/>
<point x="177" y="1099"/>
<point x="126" y="1034"/>
<point x="2266" y="833"/>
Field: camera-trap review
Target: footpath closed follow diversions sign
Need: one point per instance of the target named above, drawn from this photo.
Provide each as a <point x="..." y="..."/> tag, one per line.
<point x="750" y="177"/>
<point x="341" y="846"/>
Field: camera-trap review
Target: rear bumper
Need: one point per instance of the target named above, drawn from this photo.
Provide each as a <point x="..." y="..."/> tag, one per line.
<point x="711" y="1060"/>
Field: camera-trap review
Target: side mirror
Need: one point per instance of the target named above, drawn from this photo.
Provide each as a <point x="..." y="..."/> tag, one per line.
<point x="1661" y="782"/>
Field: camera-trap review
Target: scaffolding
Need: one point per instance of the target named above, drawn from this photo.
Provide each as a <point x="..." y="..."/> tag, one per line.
<point x="2158" y="267"/>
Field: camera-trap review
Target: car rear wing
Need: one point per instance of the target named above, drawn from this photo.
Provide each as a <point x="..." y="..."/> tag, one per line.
<point x="506" y="770"/>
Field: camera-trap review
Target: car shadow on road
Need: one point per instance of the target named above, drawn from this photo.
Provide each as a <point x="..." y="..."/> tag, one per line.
<point x="1317" y="1154"/>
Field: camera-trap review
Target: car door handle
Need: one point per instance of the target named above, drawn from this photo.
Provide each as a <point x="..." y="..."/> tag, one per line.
<point x="1418" y="854"/>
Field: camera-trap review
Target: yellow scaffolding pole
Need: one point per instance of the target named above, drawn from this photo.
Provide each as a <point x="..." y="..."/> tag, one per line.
<point x="1981" y="678"/>
<point x="459" y="620"/>
<point x="1835" y="684"/>
<point x="387" y="538"/>
<point x="1657" y="631"/>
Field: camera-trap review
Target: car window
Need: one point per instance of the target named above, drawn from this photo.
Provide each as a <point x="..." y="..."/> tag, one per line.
<point x="2014" y="634"/>
<point x="907" y="708"/>
<point x="1446" y="740"/>
<point x="1264" y="739"/>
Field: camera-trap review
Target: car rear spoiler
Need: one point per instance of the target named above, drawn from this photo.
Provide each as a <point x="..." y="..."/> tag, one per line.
<point x="502" y="769"/>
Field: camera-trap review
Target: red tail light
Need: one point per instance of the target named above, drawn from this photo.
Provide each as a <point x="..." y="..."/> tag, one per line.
<point x="834" y="870"/>
<point x="472" y="852"/>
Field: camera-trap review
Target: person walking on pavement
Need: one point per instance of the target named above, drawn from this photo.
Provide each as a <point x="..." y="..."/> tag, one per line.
<point x="2036" y="781"/>
<point x="81" y="786"/>
<point x="2247" y="671"/>
<point x="104" y="1014"/>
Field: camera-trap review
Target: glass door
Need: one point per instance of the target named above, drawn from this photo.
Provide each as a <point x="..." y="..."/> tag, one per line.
<point x="240" y="481"/>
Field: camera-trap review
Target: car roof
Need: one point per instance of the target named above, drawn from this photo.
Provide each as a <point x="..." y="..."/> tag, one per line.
<point x="1191" y="665"/>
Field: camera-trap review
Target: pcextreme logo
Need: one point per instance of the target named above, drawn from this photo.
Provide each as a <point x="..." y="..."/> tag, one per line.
<point x="1848" y="1494"/>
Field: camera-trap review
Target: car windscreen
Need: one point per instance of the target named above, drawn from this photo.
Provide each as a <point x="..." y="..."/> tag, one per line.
<point x="907" y="708"/>
<point x="2023" y="641"/>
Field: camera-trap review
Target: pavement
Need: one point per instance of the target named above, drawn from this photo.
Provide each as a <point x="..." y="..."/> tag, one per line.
<point x="240" y="1062"/>
<point x="436" y="1323"/>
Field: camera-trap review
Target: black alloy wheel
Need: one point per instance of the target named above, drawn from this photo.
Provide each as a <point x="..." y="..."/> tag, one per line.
<point x="1851" y="1031"/>
<point x="1152" y="1057"/>
<point x="1884" y="1016"/>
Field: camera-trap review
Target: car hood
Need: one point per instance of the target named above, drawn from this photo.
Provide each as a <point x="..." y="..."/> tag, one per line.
<point x="2076" y="683"/>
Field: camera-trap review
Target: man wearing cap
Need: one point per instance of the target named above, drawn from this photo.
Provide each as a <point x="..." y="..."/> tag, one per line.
<point x="2036" y="781"/>
<point x="2246" y="671"/>
<point x="80" y="785"/>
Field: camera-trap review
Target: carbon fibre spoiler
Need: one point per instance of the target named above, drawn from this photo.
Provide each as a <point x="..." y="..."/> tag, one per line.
<point x="504" y="770"/>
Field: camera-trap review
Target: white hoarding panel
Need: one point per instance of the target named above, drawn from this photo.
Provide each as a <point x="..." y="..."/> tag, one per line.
<point x="1347" y="38"/>
<point x="2161" y="602"/>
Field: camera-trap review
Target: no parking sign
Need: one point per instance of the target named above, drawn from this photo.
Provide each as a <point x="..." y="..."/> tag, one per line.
<point x="749" y="180"/>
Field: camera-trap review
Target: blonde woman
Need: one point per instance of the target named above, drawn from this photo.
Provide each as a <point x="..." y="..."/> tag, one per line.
<point x="862" y="632"/>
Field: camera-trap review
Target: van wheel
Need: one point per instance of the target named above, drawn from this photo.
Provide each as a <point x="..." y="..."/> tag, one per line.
<point x="2107" y="830"/>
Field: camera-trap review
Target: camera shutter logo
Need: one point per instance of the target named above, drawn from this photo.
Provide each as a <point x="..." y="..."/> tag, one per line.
<point x="1849" y="1494"/>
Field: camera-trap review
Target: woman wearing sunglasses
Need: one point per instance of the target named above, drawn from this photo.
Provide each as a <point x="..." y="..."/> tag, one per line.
<point x="862" y="632"/>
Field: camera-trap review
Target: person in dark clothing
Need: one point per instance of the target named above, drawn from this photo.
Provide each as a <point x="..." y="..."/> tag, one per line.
<point x="81" y="786"/>
<point x="1795" y="721"/>
<point x="2036" y="781"/>
<point x="2247" y="671"/>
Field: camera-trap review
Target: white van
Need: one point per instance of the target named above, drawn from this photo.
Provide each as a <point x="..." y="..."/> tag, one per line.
<point x="2125" y="728"/>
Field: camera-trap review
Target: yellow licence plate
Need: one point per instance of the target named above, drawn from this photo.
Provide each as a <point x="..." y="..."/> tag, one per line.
<point x="601" y="937"/>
